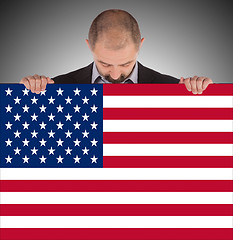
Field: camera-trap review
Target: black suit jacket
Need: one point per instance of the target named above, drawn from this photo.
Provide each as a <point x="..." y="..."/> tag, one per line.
<point x="84" y="75"/>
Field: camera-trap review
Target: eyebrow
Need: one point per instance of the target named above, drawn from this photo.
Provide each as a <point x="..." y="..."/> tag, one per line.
<point x="111" y="64"/>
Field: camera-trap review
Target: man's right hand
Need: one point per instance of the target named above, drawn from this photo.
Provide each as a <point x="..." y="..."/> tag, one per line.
<point x="36" y="83"/>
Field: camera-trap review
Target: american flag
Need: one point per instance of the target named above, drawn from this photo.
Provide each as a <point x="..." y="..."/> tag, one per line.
<point x="116" y="161"/>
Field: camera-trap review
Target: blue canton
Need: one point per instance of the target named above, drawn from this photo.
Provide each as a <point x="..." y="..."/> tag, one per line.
<point x="60" y="127"/>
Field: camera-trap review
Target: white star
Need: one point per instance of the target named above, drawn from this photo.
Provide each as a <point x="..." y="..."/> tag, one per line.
<point x="76" y="142"/>
<point x="42" y="159"/>
<point x="43" y="92"/>
<point x="25" y="125"/>
<point x="77" y="108"/>
<point x="68" y="100"/>
<point x="25" y="159"/>
<point x="34" y="100"/>
<point x="51" y="100"/>
<point x="51" y="151"/>
<point x="51" y="134"/>
<point x="59" y="159"/>
<point x="59" y="92"/>
<point x="94" y="159"/>
<point x="8" y="125"/>
<point x="77" y="91"/>
<point x="34" y="134"/>
<point x="94" y="92"/>
<point x="42" y="125"/>
<point x="25" y="108"/>
<point x="94" y="142"/>
<point x="94" y="108"/>
<point x="8" y="142"/>
<point x="85" y="151"/>
<point x="25" y="91"/>
<point x="59" y="142"/>
<point x="85" y="100"/>
<point x="17" y="151"/>
<point x="25" y="142"/>
<point x="59" y="108"/>
<point x="76" y="159"/>
<point x="68" y="151"/>
<point x="42" y="142"/>
<point x="17" y="134"/>
<point x="85" y="134"/>
<point x="68" y="134"/>
<point x="76" y="125"/>
<point x="68" y="117"/>
<point x="17" y="100"/>
<point x="51" y="117"/>
<point x="8" y="159"/>
<point x="94" y="125"/>
<point x="34" y="151"/>
<point x="59" y="125"/>
<point x="17" y="117"/>
<point x="8" y="108"/>
<point x="42" y="108"/>
<point x="8" y="91"/>
<point x="34" y="117"/>
<point x="85" y="117"/>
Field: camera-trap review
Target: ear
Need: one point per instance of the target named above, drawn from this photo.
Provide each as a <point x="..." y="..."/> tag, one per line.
<point x="87" y="42"/>
<point x="142" y="40"/>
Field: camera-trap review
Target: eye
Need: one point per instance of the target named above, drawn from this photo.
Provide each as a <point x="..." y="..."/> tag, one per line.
<point x="105" y="65"/>
<point x="125" y="65"/>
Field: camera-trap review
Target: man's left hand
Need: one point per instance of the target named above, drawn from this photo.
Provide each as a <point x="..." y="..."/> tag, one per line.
<point x="196" y="84"/>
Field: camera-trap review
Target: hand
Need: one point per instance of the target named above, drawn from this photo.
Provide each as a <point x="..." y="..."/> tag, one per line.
<point x="196" y="84"/>
<point x="36" y="83"/>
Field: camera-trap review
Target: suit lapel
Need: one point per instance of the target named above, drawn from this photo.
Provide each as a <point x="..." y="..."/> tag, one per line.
<point x="86" y="76"/>
<point x="142" y="74"/>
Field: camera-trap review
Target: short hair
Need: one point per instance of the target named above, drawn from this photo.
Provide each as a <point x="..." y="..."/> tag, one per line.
<point x="114" y="19"/>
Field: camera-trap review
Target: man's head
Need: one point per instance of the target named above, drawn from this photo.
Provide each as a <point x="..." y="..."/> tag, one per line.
<point x="115" y="40"/>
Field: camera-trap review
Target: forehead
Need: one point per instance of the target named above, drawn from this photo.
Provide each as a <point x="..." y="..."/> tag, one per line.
<point x="114" y="56"/>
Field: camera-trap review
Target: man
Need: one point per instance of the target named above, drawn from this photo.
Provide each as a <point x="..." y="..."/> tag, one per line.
<point x="115" y="40"/>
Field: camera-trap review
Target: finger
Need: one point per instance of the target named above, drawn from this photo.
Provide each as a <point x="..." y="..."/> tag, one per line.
<point x="25" y="82"/>
<point x="206" y="82"/>
<point x="188" y="84"/>
<point x="181" y="80"/>
<point x="200" y="84"/>
<point x="32" y="82"/>
<point x="43" y="82"/>
<point x="193" y="82"/>
<point x="38" y="84"/>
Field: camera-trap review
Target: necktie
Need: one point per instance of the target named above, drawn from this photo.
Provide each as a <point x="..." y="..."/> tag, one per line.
<point x="128" y="81"/>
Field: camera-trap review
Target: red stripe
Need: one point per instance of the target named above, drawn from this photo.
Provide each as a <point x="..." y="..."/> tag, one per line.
<point x="167" y="137"/>
<point x="161" y="89"/>
<point x="116" y="210"/>
<point x="168" y="113"/>
<point x="116" y="234"/>
<point x="167" y="162"/>
<point x="116" y="185"/>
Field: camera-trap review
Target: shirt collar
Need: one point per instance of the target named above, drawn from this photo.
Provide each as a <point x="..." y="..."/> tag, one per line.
<point x="133" y="76"/>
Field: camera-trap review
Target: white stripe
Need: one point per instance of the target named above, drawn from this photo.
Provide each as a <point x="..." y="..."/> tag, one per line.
<point x="167" y="125"/>
<point x="116" y="222"/>
<point x="116" y="174"/>
<point x="116" y="198"/>
<point x="167" y="101"/>
<point x="167" y="149"/>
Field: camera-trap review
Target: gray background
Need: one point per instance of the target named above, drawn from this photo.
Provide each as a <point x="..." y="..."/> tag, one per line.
<point x="182" y="38"/>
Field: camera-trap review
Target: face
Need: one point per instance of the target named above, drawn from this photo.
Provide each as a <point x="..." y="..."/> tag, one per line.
<point x="115" y="65"/>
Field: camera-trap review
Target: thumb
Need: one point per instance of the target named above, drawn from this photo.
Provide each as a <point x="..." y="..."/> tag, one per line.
<point x="50" y="81"/>
<point x="181" y="80"/>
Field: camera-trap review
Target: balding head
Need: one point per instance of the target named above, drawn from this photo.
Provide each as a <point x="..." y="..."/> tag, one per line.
<point x="115" y="28"/>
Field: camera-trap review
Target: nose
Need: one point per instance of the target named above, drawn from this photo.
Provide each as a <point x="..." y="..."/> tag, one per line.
<point x="115" y="73"/>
